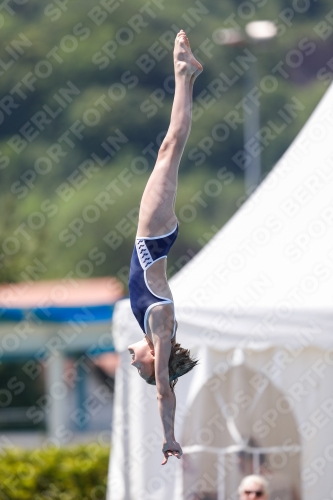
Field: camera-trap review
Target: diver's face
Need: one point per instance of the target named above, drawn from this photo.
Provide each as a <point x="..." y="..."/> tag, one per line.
<point x="142" y="358"/>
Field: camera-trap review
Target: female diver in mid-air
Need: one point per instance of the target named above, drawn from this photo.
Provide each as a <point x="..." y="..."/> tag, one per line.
<point x="158" y="358"/>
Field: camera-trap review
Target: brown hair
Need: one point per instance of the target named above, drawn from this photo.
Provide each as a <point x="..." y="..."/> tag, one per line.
<point x="180" y="362"/>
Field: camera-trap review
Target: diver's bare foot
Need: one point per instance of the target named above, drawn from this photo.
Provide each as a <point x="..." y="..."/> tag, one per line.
<point x="185" y="62"/>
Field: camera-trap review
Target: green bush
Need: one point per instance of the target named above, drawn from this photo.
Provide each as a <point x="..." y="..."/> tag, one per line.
<point x="74" y="473"/>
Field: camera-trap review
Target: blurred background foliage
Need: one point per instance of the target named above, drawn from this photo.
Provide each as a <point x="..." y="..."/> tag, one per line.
<point x="71" y="473"/>
<point x="76" y="88"/>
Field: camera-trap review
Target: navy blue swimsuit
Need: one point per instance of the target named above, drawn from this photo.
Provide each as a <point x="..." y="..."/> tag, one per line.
<point x="146" y="251"/>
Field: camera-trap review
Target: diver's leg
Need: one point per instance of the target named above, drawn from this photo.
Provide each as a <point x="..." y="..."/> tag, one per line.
<point x="157" y="214"/>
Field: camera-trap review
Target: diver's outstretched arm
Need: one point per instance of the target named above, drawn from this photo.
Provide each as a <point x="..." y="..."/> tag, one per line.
<point x="165" y="396"/>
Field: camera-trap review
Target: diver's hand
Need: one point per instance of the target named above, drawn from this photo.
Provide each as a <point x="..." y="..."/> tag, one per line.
<point x="171" y="448"/>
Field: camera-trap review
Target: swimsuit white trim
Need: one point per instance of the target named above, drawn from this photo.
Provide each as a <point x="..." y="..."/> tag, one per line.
<point x="143" y="253"/>
<point x="166" y="301"/>
<point x="149" y="265"/>
<point x="156" y="237"/>
<point x="151" y="291"/>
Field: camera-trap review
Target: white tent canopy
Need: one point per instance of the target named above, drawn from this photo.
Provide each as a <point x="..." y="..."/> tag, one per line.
<point x="257" y="301"/>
